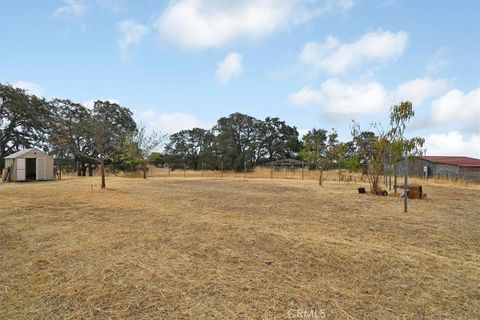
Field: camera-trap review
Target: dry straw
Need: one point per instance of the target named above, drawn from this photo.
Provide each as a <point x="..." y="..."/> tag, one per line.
<point x="192" y="248"/>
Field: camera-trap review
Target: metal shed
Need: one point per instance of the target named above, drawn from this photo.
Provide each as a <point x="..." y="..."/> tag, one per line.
<point x="29" y="165"/>
<point x="448" y="167"/>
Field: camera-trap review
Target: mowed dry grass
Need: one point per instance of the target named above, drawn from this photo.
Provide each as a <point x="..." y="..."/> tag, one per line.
<point x="175" y="248"/>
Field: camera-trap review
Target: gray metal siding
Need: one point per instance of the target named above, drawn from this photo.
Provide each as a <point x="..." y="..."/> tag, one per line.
<point x="438" y="170"/>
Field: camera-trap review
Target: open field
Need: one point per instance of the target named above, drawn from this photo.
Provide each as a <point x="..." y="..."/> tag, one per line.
<point x="191" y="248"/>
<point x="283" y="173"/>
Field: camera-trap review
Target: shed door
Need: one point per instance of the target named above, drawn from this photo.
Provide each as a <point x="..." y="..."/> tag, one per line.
<point x="20" y="169"/>
<point x="41" y="168"/>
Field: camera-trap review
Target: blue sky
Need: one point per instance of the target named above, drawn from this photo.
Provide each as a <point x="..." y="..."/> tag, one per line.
<point x="185" y="63"/>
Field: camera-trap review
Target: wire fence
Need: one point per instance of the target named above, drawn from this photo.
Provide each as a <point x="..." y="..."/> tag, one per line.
<point x="257" y="173"/>
<point x="342" y="175"/>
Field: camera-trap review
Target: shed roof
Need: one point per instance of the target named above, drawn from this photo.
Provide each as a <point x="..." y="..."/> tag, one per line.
<point x="22" y="152"/>
<point x="454" y="160"/>
<point x="287" y="162"/>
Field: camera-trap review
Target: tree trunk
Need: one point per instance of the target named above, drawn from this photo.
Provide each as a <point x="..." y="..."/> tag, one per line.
<point x="79" y="169"/>
<point x="395" y="178"/>
<point x="102" y="170"/>
<point x="84" y="169"/>
<point x="90" y="169"/>
<point x="375" y="185"/>
<point x="144" y="169"/>
<point x="320" y="178"/>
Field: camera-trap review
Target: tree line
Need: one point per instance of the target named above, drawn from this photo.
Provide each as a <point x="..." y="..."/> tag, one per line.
<point x="87" y="138"/>
<point x="106" y="135"/>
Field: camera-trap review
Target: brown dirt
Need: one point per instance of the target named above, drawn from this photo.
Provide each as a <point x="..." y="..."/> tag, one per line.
<point x="190" y="248"/>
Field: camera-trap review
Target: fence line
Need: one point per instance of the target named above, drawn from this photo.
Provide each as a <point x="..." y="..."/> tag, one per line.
<point x="259" y="172"/>
<point x="273" y="173"/>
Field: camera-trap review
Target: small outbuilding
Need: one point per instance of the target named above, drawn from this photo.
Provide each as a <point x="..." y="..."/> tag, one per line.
<point x="28" y="165"/>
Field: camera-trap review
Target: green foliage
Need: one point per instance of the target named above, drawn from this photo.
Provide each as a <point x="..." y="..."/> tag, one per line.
<point x="189" y="148"/>
<point x="91" y="136"/>
<point x="136" y="148"/>
<point x="24" y="120"/>
<point x="375" y="151"/>
<point x="399" y="116"/>
<point x="238" y="139"/>
<point x="277" y="140"/>
<point x="156" y="158"/>
<point x="107" y="134"/>
<point x="321" y="149"/>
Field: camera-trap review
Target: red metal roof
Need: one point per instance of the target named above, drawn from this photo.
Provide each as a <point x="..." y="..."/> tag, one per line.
<point x="457" y="161"/>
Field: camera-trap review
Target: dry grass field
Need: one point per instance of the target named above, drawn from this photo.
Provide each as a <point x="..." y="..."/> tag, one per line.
<point x="192" y="248"/>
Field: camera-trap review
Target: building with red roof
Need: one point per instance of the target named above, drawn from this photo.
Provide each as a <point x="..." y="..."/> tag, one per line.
<point x="447" y="167"/>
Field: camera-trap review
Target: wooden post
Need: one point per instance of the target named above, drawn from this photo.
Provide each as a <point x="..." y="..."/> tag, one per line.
<point x="395" y="178"/>
<point x="222" y="170"/>
<point x="405" y="187"/>
<point x="303" y="165"/>
<point x="245" y="170"/>
<point x="103" y="173"/>
<point x="390" y="181"/>
<point x="338" y="170"/>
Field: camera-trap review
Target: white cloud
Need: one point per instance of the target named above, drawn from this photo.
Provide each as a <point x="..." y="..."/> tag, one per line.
<point x="335" y="57"/>
<point x="30" y="87"/>
<point x="132" y="33"/>
<point x="453" y="144"/>
<point x="459" y="109"/>
<point x="70" y="10"/>
<point x="201" y="24"/>
<point x="229" y="68"/>
<point x="419" y="90"/>
<point x="306" y="96"/>
<point x="340" y="98"/>
<point x="169" y="122"/>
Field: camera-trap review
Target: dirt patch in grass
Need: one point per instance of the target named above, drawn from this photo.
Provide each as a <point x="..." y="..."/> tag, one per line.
<point x="190" y="248"/>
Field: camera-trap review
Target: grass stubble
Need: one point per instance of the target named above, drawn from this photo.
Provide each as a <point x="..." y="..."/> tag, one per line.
<point x="192" y="248"/>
